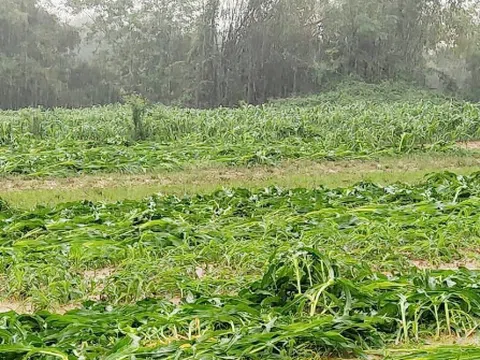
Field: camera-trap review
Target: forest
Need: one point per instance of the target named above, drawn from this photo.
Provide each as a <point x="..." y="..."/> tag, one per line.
<point x="210" y="53"/>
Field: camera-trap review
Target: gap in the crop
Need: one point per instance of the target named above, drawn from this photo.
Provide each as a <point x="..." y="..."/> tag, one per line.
<point x="469" y="264"/>
<point x="469" y="145"/>
<point x="26" y="307"/>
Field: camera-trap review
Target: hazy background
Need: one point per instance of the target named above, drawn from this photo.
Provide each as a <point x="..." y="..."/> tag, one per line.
<point x="206" y="53"/>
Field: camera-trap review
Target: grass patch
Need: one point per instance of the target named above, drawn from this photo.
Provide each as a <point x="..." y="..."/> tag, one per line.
<point x="24" y="192"/>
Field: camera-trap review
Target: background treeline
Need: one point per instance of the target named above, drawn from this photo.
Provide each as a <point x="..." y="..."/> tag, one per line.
<point x="206" y="53"/>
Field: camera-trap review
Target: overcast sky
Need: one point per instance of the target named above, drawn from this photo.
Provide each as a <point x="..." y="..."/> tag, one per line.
<point x="57" y="7"/>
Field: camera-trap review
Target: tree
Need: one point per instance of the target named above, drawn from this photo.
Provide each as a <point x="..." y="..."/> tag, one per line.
<point x="205" y="53"/>
<point x="38" y="63"/>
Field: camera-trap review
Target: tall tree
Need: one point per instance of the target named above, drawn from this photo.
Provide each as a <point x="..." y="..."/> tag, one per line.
<point x="34" y="50"/>
<point x="205" y="53"/>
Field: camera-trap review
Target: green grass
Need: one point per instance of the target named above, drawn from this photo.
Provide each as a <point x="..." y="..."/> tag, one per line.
<point x="471" y="352"/>
<point x="27" y="193"/>
<point x="272" y="273"/>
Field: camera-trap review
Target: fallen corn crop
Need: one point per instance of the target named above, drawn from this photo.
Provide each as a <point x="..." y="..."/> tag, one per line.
<point x="268" y="273"/>
<point x="60" y="142"/>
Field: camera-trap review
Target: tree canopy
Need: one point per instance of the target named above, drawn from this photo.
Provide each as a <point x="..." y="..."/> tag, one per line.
<point x="206" y="53"/>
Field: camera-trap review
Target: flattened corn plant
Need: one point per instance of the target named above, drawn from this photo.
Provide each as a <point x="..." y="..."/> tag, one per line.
<point x="329" y="127"/>
<point x="250" y="274"/>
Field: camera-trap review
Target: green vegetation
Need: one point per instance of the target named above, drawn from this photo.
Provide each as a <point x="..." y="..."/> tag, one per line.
<point x="29" y="192"/>
<point x="283" y="231"/>
<point x="256" y="273"/>
<point x="209" y="53"/>
<point x="283" y="227"/>
<point x="333" y="126"/>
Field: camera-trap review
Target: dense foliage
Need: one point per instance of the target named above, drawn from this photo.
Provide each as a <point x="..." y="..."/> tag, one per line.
<point x="38" y="61"/>
<point x="205" y="53"/>
<point x="249" y="273"/>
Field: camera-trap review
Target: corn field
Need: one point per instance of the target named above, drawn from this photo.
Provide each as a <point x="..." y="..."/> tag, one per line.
<point x="332" y="126"/>
<point x="355" y="272"/>
<point x="272" y="273"/>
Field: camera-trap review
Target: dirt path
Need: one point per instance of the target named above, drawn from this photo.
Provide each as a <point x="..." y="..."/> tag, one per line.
<point x="27" y="192"/>
<point x="190" y="176"/>
<point x="222" y="175"/>
<point x="469" y="145"/>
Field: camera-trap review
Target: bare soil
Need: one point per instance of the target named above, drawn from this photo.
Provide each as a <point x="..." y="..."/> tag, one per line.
<point x="98" y="274"/>
<point x="469" y="145"/>
<point x="27" y="308"/>
<point x="16" y="306"/>
<point x="467" y="264"/>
